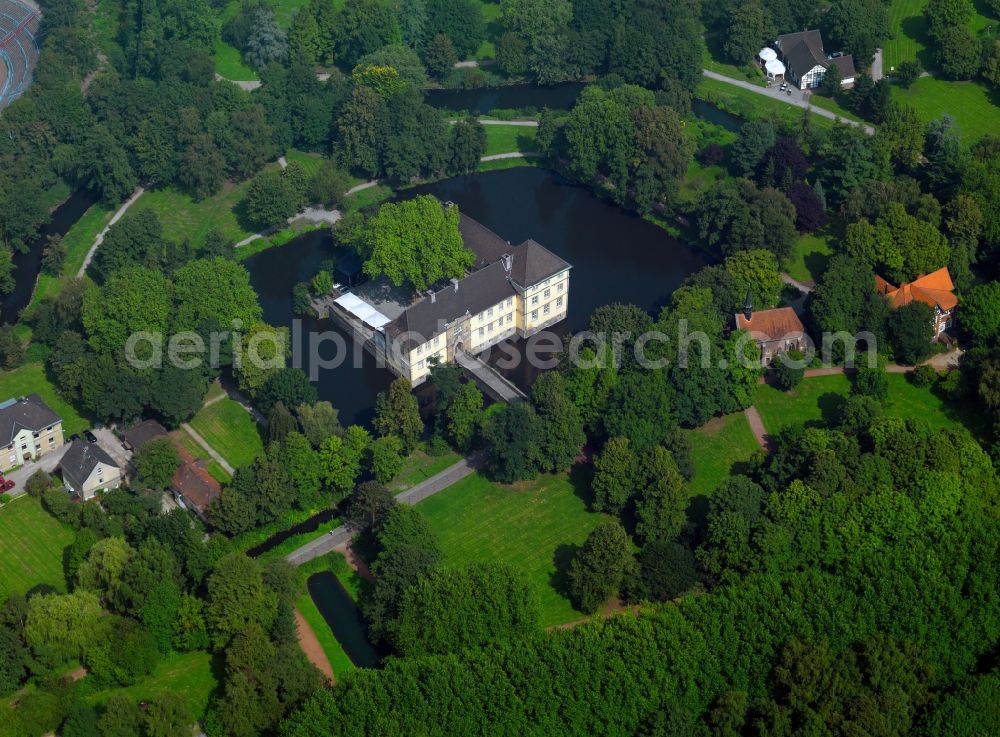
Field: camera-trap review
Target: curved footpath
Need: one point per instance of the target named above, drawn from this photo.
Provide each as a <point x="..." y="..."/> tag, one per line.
<point x="100" y="236"/>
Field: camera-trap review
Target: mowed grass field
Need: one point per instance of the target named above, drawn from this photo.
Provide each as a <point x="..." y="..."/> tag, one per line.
<point x="811" y="253"/>
<point x="230" y="430"/>
<point x="31" y="379"/>
<point x="909" y="28"/>
<point x="502" y="139"/>
<point x="186" y="219"/>
<point x="190" y="675"/>
<point x="975" y="108"/>
<point x="420" y="466"/>
<point x="719" y="448"/>
<point x="31" y="547"/>
<point x="535" y="527"/>
<point x="816" y="401"/>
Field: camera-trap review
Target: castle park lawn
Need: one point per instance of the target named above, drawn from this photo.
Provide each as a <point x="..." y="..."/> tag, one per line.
<point x="534" y="526"/>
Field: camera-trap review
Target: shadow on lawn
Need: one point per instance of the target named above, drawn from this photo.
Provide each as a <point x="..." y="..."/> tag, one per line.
<point x="563" y="556"/>
<point x="581" y="476"/>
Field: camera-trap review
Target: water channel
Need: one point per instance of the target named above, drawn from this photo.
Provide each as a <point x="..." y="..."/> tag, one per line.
<point x="28" y="265"/>
<point x="343" y="617"/>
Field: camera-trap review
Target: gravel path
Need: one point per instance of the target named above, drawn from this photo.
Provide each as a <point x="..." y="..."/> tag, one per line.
<point x="100" y="236"/>
<point x="757" y="428"/>
<point x="311" y="647"/>
<point x="208" y="448"/>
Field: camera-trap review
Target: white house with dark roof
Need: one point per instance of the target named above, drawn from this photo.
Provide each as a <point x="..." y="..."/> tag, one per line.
<point x="28" y="430"/>
<point x="510" y="291"/>
<point x="87" y="469"/>
<point x="806" y="62"/>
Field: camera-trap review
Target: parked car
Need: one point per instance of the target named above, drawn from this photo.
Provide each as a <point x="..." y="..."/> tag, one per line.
<point x="6" y="486"/>
<point x="91" y="438"/>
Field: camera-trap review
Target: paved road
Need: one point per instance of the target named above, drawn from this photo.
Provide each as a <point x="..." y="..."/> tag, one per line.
<point x="114" y="219"/>
<point x="342" y="535"/>
<point x="208" y="448"/>
<point x="796" y="99"/>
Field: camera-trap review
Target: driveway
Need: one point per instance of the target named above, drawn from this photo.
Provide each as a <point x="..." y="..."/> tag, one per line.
<point x="796" y="99"/>
<point x="878" y="66"/>
<point x="111" y="445"/>
<point x="47" y="463"/>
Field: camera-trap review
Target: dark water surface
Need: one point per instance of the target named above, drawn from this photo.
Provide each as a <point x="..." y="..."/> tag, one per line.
<point x="350" y="387"/>
<point x="28" y="265"/>
<point x="343" y="617"/>
<point x="616" y="257"/>
<point x="486" y="99"/>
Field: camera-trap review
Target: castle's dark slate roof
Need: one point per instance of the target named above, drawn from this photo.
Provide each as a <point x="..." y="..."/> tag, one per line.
<point x="81" y="459"/>
<point x="533" y="262"/>
<point x="530" y="263"/>
<point x="28" y="412"/>
<point x="482" y="241"/>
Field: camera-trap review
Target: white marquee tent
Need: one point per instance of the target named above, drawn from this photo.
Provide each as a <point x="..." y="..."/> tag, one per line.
<point x="362" y="310"/>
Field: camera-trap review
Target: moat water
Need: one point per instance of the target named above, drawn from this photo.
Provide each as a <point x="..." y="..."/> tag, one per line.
<point x="616" y="257"/>
<point x="28" y="265"/>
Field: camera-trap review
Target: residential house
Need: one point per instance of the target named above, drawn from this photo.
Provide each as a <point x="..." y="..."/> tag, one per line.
<point x="87" y="469"/>
<point x="138" y="435"/>
<point x="775" y="331"/>
<point x="936" y="290"/>
<point x="29" y="429"/>
<point x="807" y="63"/>
<point x="511" y="291"/>
<point x="193" y="486"/>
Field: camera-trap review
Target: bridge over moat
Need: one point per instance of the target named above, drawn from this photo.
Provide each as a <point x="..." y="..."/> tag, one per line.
<point x="489" y="379"/>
